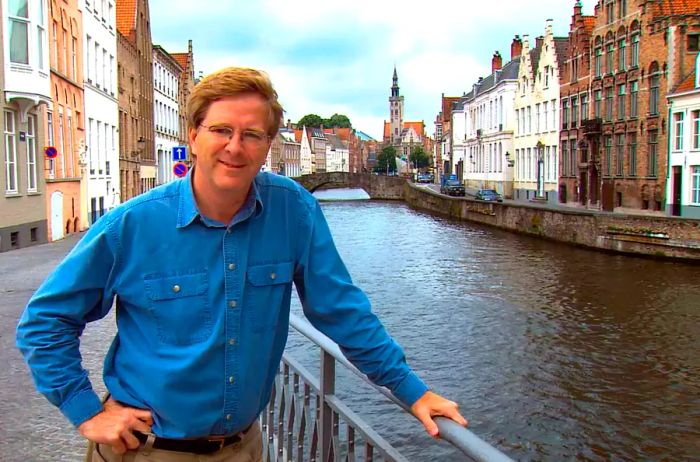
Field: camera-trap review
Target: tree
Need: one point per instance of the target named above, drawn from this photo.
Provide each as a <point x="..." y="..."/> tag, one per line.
<point x="310" y="120"/>
<point x="419" y="158"/>
<point x="386" y="160"/>
<point x="339" y="120"/>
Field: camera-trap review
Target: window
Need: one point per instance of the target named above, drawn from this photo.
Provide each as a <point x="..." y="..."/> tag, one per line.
<point x="608" y="104"/>
<point x="621" y="8"/>
<point x="546" y="76"/>
<point x="652" y="152"/>
<point x="572" y="157"/>
<point x="584" y="106"/>
<point x="621" y="101"/>
<point x="609" y="11"/>
<point x="74" y="66"/>
<point x="546" y="115"/>
<point x="693" y="42"/>
<point x="14" y="239"/>
<point x="654" y="83"/>
<point x="64" y="69"/>
<point x="634" y="59"/>
<point x="632" y="154"/>
<point x="564" y="114"/>
<point x="574" y="111"/>
<point x="71" y="151"/>
<point x="598" y="62"/>
<point x="537" y="118"/>
<point x="695" y="184"/>
<point x="18" y="12"/>
<point x="574" y="69"/>
<point x="564" y="158"/>
<point x="88" y="51"/>
<point x="10" y="153"/>
<point x="54" y="28"/>
<point x="621" y="55"/>
<point x="608" y="155"/>
<point x="619" y="154"/>
<point x="609" y="55"/>
<point x="61" y="146"/>
<point x="696" y="129"/>
<point x="33" y="234"/>
<point x="49" y="130"/>
<point x="597" y="103"/>
<point x="40" y="34"/>
<point x="31" y="154"/>
<point x="678" y="131"/>
<point x="634" y="98"/>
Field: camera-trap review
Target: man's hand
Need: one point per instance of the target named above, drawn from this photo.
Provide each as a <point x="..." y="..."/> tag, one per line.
<point x="114" y="425"/>
<point x="431" y="404"/>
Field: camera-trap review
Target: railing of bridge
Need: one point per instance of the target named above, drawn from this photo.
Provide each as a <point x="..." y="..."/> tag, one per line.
<point x="306" y="422"/>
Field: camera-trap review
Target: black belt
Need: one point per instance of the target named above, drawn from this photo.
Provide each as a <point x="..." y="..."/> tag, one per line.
<point x="193" y="445"/>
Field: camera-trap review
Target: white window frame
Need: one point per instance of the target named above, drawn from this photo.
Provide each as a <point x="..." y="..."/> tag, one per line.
<point x="696" y="129"/>
<point x="10" y="153"/>
<point x="20" y="20"/>
<point x="678" y="119"/>
<point x="695" y="184"/>
<point x="49" y="131"/>
<point x="31" y="154"/>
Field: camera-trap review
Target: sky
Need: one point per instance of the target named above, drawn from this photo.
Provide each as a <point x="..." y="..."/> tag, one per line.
<point x="326" y="56"/>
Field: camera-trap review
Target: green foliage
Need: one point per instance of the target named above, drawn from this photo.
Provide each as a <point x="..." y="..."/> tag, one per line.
<point x="310" y="120"/>
<point x="419" y="157"/>
<point x="338" y="120"/>
<point x="386" y="160"/>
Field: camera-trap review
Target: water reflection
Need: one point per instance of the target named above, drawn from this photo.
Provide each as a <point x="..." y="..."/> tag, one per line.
<point x="341" y="194"/>
<point x="554" y="352"/>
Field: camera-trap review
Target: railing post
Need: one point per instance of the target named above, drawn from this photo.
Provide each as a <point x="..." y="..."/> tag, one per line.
<point x="327" y="388"/>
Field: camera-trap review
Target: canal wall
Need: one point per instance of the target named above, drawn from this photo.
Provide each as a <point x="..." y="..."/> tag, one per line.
<point x="654" y="236"/>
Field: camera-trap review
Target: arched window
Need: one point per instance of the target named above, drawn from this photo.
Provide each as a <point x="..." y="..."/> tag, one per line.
<point x="654" y="85"/>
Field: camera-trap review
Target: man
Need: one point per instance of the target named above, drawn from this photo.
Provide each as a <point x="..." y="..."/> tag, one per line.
<point x="202" y="270"/>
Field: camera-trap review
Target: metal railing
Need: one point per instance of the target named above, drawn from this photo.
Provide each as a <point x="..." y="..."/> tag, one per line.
<point x="306" y="421"/>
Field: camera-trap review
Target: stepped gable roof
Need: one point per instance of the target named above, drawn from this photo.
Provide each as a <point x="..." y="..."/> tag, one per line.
<point x="535" y="54"/>
<point x="675" y="7"/>
<point x="561" y="46"/>
<point x="688" y="84"/>
<point x="588" y="23"/>
<point x="126" y="16"/>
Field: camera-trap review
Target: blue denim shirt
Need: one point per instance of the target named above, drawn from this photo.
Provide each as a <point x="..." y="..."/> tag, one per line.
<point x="202" y="309"/>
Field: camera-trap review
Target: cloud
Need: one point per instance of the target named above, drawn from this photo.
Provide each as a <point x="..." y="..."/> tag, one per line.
<point x="326" y="57"/>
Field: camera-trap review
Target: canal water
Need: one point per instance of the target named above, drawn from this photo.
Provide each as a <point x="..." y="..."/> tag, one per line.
<point x="553" y="352"/>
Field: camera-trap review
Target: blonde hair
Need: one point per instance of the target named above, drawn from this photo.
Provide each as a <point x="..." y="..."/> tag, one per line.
<point x="233" y="81"/>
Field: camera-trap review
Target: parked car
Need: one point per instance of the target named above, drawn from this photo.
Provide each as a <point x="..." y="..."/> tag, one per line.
<point x="425" y="178"/>
<point x="488" y="195"/>
<point x="452" y="188"/>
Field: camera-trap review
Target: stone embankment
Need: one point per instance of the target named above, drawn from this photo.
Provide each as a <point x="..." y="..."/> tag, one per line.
<point x="653" y="236"/>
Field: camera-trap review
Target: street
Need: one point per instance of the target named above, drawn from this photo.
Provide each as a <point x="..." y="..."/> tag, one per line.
<point x="32" y="429"/>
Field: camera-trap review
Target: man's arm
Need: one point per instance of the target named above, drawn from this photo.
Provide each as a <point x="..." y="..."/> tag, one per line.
<point x="339" y="309"/>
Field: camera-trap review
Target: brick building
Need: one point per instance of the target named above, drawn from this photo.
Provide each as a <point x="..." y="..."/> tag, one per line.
<point x="135" y="82"/>
<point x="65" y="190"/>
<point x="639" y="51"/>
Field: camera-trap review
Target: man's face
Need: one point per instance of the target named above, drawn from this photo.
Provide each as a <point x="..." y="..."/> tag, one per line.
<point x="230" y="144"/>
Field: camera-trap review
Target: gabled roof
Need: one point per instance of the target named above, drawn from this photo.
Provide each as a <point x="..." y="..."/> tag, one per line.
<point x="675" y="7"/>
<point x="507" y="72"/>
<point x="335" y="141"/>
<point x="298" y="133"/>
<point x="688" y="84"/>
<point x="561" y="45"/>
<point x="419" y="127"/>
<point x="181" y="59"/>
<point x="315" y="132"/>
<point x="588" y="23"/>
<point x="126" y="16"/>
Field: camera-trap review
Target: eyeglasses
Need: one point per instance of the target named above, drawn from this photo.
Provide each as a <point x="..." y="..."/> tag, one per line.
<point x="250" y="139"/>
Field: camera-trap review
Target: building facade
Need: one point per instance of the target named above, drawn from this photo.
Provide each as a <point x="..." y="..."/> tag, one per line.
<point x="137" y="171"/>
<point x="101" y="107"/>
<point x="26" y="91"/>
<point x="291" y="153"/>
<point x="166" y="111"/>
<point x="66" y="185"/>
<point x="683" y="186"/>
<point x="536" y="143"/>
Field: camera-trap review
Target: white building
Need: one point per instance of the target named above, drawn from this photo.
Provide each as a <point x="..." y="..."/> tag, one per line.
<point x="337" y="154"/>
<point x="290" y="153"/>
<point x="683" y="185"/>
<point x="536" y="160"/>
<point x="101" y="106"/>
<point x="483" y="123"/>
<point x="306" y="160"/>
<point x="166" y="112"/>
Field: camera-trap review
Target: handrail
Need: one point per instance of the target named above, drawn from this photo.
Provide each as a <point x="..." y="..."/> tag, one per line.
<point x="461" y="438"/>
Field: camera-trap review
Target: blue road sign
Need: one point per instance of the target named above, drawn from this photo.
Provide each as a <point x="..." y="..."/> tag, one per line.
<point x="51" y="152"/>
<point x="179" y="153"/>
<point x="180" y="169"/>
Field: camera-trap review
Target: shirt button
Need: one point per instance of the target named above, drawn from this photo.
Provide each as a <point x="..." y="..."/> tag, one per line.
<point x="273" y="275"/>
<point x="232" y="341"/>
<point x="231" y="379"/>
<point x="229" y="230"/>
<point x="228" y="416"/>
<point x="176" y="288"/>
<point x="232" y="266"/>
<point x="232" y="303"/>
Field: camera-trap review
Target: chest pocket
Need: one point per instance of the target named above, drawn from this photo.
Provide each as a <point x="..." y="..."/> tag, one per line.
<point x="180" y="306"/>
<point x="269" y="287"/>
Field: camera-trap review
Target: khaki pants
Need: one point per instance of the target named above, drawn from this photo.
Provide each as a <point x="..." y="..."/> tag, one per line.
<point x="249" y="449"/>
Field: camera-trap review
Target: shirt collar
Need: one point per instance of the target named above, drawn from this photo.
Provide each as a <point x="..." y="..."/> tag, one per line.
<point x="188" y="210"/>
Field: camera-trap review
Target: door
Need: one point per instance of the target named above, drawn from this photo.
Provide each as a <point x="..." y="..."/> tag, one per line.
<point x="676" y="192"/>
<point x="56" y="215"/>
<point x="608" y="195"/>
<point x="583" y="188"/>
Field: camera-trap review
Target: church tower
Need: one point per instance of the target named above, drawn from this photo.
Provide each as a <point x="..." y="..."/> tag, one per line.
<point x="396" y="111"/>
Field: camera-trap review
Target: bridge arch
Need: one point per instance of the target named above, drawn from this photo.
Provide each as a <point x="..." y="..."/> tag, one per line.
<point x="376" y="186"/>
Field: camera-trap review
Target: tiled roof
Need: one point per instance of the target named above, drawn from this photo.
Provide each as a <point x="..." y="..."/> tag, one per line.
<point x="687" y="84"/>
<point x="335" y="141"/>
<point x="126" y="16"/>
<point x="588" y="23"/>
<point x="561" y="44"/>
<point x="419" y="127"/>
<point x="676" y="7"/>
<point x="507" y="72"/>
<point x="181" y="59"/>
<point x="297" y="135"/>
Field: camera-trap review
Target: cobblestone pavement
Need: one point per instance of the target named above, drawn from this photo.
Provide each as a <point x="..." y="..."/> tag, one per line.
<point x="31" y="429"/>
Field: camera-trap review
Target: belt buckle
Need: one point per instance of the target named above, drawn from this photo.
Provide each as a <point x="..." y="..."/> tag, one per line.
<point x="220" y="441"/>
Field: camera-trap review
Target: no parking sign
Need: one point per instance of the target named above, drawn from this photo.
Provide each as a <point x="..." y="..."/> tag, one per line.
<point x="180" y="169"/>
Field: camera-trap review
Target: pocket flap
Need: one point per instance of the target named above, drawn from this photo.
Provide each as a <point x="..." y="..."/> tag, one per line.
<point x="275" y="273"/>
<point x="176" y="286"/>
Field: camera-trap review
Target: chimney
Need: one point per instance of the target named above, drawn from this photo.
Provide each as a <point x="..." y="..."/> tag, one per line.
<point x="577" y="8"/>
<point x="496" y="62"/>
<point x="538" y="42"/>
<point x="516" y="48"/>
<point x="289" y="123"/>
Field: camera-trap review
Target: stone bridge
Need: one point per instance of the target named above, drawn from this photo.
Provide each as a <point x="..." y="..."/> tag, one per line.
<point x="376" y="186"/>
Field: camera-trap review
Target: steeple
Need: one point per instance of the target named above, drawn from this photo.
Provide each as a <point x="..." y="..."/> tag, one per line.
<point x="395" y="86"/>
